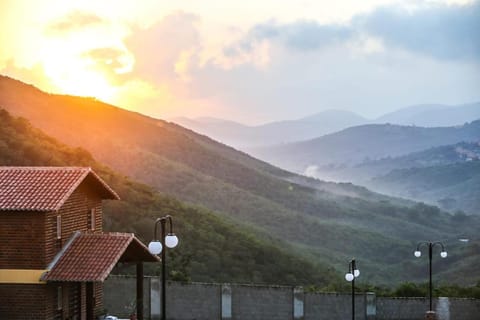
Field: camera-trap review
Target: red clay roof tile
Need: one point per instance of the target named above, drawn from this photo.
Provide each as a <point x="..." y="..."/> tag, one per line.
<point x="43" y="188"/>
<point x="90" y="257"/>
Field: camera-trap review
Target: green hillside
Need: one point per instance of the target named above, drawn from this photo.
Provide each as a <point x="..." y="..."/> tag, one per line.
<point x="355" y="145"/>
<point x="437" y="156"/>
<point x="322" y="223"/>
<point x="211" y="248"/>
<point x="447" y="176"/>
<point x="453" y="186"/>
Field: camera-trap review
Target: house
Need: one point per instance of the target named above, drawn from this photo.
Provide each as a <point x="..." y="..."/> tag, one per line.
<point x="54" y="255"/>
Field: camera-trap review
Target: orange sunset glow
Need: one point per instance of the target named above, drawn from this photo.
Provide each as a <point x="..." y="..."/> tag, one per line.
<point x="247" y="61"/>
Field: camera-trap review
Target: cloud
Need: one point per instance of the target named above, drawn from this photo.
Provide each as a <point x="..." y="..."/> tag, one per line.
<point x="306" y="35"/>
<point x="163" y="46"/>
<point x="440" y="31"/>
<point x="300" y="35"/>
<point x="443" y="32"/>
<point x="73" y="21"/>
<point x="376" y="62"/>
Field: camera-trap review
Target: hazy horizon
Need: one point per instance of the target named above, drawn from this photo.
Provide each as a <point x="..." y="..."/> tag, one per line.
<point x="248" y="62"/>
<point x="320" y="112"/>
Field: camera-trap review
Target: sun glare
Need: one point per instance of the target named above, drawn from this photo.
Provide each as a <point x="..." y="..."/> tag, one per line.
<point x="83" y="60"/>
<point x="75" y="75"/>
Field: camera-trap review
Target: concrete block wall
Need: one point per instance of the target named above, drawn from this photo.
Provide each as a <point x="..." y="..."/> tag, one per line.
<point x="197" y="301"/>
<point x="261" y="302"/>
<point x="467" y="309"/>
<point x="415" y="308"/>
<point x="401" y="308"/>
<point x="201" y="301"/>
<point x="119" y="295"/>
<point x="326" y="306"/>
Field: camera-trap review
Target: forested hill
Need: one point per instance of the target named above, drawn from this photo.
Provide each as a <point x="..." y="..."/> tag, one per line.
<point x="211" y="248"/>
<point x="355" y="145"/>
<point x="322" y="222"/>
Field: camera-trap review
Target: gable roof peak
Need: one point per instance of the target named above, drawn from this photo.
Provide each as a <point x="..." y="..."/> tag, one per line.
<point x="45" y="188"/>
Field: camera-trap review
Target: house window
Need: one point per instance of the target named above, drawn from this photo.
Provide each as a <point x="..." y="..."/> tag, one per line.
<point x="59" y="298"/>
<point x="59" y="227"/>
<point x="92" y="219"/>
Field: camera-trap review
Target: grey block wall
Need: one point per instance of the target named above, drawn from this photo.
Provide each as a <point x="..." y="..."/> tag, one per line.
<point x="326" y="306"/>
<point x="401" y="308"/>
<point x="465" y="309"/>
<point x="121" y="295"/>
<point x="415" y="308"/>
<point x="193" y="301"/>
<point x="200" y="301"/>
<point x="261" y="302"/>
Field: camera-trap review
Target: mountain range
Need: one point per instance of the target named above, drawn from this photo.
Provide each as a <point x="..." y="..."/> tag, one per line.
<point x="243" y="136"/>
<point x="358" y="144"/>
<point x="433" y="115"/>
<point x="318" y="223"/>
<point x="326" y="122"/>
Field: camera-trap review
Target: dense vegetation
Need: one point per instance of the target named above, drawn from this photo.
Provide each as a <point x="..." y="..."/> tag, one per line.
<point x="211" y="248"/>
<point x="324" y="224"/>
<point x="355" y="145"/>
<point x="453" y="186"/>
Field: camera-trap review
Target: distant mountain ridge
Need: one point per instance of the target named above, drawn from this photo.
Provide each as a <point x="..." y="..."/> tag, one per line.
<point x="355" y="145"/>
<point x="326" y="122"/>
<point x="243" y="136"/>
<point x="434" y="115"/>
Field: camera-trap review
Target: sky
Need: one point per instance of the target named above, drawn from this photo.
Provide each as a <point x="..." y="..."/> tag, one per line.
<point x="247" y="60"/>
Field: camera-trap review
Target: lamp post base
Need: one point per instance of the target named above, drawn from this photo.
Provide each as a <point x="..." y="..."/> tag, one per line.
<point x="430" y="315"/>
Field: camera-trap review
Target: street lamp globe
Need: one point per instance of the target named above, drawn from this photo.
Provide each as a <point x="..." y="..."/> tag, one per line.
<point x="443" y="254"/>
<point x="349" y="277"/>
<point x="417" y="253"/>
<point x="155" y="247"/>
<point x="356" y="273"/>
<point x="171" y="240"/>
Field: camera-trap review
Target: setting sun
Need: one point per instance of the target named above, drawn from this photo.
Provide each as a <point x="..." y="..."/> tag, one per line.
<point x="72" y="75"/>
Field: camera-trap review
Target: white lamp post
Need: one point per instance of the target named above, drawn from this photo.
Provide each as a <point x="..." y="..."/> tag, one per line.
<point x="418" y="254"/>
<point x="156" y="247"/>
<point x="350" y="276"/>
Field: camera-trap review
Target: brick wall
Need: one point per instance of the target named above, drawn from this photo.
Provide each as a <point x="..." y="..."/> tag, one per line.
<point x="21" y="240"/>
<point x="28" y="240"/>
<point x="22" y="302"/>
<point x="75" y="216"/>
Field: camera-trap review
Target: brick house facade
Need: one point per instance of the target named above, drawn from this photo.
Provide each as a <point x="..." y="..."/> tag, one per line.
<point x="54" y="255"/>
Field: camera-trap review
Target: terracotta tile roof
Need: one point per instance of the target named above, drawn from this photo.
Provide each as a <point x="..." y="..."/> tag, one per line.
<point x="90" y="257"/>
<point x="44" y="188"/>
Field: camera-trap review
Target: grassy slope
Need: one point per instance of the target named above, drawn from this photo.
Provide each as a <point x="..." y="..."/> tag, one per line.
<point x="320" y="225"/>
<point x="455" y="185"/>
<point x="439" y="175"/>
